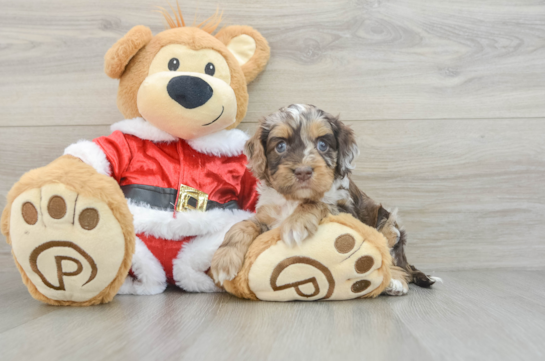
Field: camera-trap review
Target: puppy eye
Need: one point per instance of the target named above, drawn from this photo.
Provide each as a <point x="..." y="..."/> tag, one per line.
<point x="210" y="69"/>
<point x="173" y="64"/>
<point x="281" y="147"/>
<point x="322" y="146"/>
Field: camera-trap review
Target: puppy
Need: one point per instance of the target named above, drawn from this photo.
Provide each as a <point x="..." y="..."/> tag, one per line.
<point x="303" y="158"/>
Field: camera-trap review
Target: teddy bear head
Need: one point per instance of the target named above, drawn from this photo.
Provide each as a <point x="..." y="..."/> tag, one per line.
<point x="184" y="80"/>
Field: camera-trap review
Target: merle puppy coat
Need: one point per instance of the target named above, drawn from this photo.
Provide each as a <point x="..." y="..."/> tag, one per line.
<point x="303" y="158"/>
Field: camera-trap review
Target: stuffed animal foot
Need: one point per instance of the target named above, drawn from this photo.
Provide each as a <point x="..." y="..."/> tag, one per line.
<point x="343" y="260"/>
<point x="69" y="247"/>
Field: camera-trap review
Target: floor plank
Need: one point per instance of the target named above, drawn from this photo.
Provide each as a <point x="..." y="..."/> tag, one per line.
<point x="6" y="261"/>
<point x="371" y="59"/>
<point x="469" y="191"/>
<point x="467" y="317"/>
<point x="18" y="307"/>
<point x="184" y="326"/>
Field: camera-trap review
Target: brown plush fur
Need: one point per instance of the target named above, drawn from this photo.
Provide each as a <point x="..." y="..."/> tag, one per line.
<point x="119" y="55"/>
<point x="257" y="63"/>
<point x="129" y="60"/>
<point x="239" y="286"/>
<point x="209" y="25"/>
<point x="84" y="180"/>
<point x="262" y="53"/>
<point x="194" y="38"/>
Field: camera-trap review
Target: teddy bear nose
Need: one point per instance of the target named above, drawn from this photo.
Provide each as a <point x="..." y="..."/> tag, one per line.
<point x="189" y="91"/>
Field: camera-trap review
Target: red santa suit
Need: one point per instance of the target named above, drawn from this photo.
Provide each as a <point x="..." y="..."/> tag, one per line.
<point x="184" y="196"/>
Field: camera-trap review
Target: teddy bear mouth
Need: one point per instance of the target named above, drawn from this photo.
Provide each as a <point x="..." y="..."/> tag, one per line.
<point x="222" y="109"/>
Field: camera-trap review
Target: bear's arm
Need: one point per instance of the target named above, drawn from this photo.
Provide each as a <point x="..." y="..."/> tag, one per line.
<point x="118" y="152"/>
<point x="107" y="155"/>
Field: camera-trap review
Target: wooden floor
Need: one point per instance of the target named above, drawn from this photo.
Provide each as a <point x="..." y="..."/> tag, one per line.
<point x="474" y="315"/>
<point x="447" y="99"/>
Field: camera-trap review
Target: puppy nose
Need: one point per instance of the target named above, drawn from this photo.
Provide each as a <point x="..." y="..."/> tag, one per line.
<point x="189" y="91"/>
<point x="303" y="173"/>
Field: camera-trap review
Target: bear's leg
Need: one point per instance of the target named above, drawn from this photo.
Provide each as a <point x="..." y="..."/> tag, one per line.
<point x="191" y="266"/>
<point x="343" y="260"/>
<point x="71" y="233"/>
<point x="148" y="275"/>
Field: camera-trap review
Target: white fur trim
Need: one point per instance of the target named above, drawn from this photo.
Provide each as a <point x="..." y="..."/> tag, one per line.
<point x="228" y="143"/>
<point x="162" y="224"/>
<point x="90" y="153"/>
<point x="194" y="259"/>
<point x="142" y="129"/>
<point x="150" y="276"/>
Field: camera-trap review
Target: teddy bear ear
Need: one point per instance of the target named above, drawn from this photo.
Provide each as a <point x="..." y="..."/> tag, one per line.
<point x="119" y="55"/>
<point x="248" y="46"/>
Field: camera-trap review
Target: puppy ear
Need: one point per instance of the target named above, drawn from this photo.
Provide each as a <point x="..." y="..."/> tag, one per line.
<point x="347" y="149"/>
<point x="248" y="46"/>
<point x="255" y="152"/>
<point x="119" y="55"/>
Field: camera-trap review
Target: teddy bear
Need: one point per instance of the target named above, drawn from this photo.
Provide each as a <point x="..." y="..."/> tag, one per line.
<point x="147" y="205"/>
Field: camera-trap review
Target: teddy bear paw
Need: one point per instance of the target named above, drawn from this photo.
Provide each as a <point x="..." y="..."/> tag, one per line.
<point x="69" y="246"/>
<point x="336" y="263"/>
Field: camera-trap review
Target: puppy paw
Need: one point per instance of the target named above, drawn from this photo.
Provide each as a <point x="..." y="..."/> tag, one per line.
<point x="396" y="288"/>
<point x="293" y="236"/>
<point x="295" y="230"/>
<point x="421" y="279"/>
<point x="226" y="264"/>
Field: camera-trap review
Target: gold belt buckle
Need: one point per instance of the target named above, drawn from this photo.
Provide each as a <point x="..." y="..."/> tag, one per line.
<point x="186" y="194"/>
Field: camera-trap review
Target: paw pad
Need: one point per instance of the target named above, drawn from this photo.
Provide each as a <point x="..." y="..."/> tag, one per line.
<point x="364" y="264"/>
<point x="29" y="213"/>
<point x="360" y="286"/>
<point x="69" y="246"/>
<point x="88" y="218"/>
<point x="334" y="264"/>
<point x="345" y="243"/>
<point x="56" y="207"/>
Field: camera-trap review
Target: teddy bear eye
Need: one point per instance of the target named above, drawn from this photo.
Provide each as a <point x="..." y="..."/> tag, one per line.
<point x="173" y="64"/>
<point x="210" y="69"/>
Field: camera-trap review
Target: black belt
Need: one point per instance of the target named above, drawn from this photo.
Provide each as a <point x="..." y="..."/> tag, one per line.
<point x="165" y="198"/>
